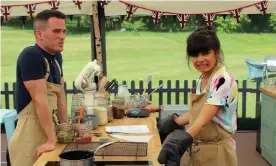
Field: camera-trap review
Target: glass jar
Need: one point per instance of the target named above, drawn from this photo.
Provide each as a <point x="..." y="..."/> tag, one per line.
<point x="118" y="108"/>
<point x="65" y="133"/>
<point x="82" y="130"/>
<point x="100" y="100"/>
<point x="109" y="113"/>
<point x="77" y="102"/>
<point x="101" y="113"/>
<point x="89" y="96"/>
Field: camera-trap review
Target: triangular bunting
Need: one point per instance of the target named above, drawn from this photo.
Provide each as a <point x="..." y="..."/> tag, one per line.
<point x="30" y="8"/>
<point x="183" y="19"/>
<point x="78" y="3"/>
<point x="70" y="17"/>
<point x="156" y="16"/>
<point x="104" y="3"/>
<point x="6" y="11"/>
<point x="130" y="10"/>
<point x="236" y="14"/>
<point x="209" y="18"/>
<point x="54" y="4"/>
<point x="262" y="6"/>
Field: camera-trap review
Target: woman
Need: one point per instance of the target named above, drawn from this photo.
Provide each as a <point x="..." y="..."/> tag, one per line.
<point x="212" y="116"/>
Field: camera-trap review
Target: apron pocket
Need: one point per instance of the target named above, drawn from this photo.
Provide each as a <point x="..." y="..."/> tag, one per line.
<point x="206" y="155"/>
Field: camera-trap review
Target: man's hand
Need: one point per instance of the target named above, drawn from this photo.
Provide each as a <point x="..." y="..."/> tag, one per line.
<point x="174" y="147"/>
<point x="46" y="147"/>
<point x="167" y="125"/>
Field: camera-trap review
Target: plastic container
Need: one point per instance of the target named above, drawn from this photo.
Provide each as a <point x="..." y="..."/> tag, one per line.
<point x="65" y="133"/>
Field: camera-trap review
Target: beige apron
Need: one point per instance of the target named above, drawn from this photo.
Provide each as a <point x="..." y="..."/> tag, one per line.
<point x="214" y="145"/>
<point x="28" y="135"/>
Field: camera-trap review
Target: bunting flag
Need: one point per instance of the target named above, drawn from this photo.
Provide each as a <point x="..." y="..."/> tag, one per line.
<point x="54" y="4"/>
<point x="130" y="10"/>
<point x="30" y="8"/>
<point x="262" y="6"/>
<point x="236" y="14"/>
<point x="6" y="11"/>
<point x="209" y="18"/>
<point x="78" y="3"/>
<point x="183" y="19"/>
<point x="156" y="16"/>
<point x="104" y="3"/>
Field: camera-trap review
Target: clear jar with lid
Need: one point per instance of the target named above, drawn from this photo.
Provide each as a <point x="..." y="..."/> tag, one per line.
<point x="77" y="102"/>
<point x="89" y="96"/>
<point x="100" y="100"/>
<point x="65" y="133"/>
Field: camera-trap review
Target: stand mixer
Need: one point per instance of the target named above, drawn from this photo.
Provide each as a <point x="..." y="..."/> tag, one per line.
<point x="85" y="80"/>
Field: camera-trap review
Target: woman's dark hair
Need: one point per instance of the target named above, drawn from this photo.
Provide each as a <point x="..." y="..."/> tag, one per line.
<point x="202" y="40"/>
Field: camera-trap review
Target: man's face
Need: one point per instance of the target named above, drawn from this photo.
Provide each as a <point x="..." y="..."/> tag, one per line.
<point x="52" y="36"/>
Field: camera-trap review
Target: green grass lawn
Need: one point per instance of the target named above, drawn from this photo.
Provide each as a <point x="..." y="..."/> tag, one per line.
<point x="134" y="55"/>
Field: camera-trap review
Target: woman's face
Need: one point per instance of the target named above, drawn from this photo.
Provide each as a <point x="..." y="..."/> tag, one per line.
<point x="205" y="63"/>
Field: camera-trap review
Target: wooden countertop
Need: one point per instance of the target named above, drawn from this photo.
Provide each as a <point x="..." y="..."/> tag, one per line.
<point x="154" y="145"/>
<point x="268" y="91"/>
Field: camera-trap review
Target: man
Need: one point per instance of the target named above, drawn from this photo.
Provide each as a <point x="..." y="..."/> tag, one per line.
<point x="40" y="97"/>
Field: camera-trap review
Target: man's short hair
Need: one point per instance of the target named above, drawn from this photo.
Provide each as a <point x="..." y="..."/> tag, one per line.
<point x="44" y="16"/>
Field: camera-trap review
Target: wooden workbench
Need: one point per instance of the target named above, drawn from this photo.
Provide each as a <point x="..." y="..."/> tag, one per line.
<point x="154" y="145"/>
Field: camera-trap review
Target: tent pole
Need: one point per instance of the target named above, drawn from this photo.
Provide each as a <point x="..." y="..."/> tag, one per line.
<point x="93" y="49"/>
<point x="97" y="33"/>
<point x="103" y="37"/>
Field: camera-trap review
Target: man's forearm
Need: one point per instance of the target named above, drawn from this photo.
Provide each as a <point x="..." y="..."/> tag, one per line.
<point x="61" y="104"/>
<point x="45" y="118"/>
<point x="62" y="107"/>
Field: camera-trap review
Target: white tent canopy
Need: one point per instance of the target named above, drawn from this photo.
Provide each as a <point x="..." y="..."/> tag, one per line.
<point x="118" y="7"/>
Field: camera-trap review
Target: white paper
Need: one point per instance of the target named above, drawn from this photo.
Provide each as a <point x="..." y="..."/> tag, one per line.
<point x="271" y="63"/>
<point x="133" y="138"/>
<point x="133" y="129"/>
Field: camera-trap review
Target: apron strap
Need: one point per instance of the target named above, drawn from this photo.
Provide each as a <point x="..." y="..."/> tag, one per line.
<point x="210" y="78"/>
<point x="58" y="67"/>
<point x="48" y="69"/>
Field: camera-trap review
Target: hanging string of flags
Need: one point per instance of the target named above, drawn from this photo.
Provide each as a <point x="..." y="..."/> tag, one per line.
<point x="183" y="18"/>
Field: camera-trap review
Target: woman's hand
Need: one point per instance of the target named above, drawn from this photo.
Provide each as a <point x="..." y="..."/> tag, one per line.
<point x="167" y="125"/>
<point x="174" y="147"/>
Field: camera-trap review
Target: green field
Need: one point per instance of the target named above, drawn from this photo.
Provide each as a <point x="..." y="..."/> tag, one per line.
<point x="134" y="55"/>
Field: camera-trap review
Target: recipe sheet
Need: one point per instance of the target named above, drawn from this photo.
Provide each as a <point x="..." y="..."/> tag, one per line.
<point x="131" y="129"/>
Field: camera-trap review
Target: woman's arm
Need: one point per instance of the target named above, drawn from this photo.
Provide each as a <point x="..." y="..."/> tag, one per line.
<point x="206" y="115"/>
<point x="183" y="119"/>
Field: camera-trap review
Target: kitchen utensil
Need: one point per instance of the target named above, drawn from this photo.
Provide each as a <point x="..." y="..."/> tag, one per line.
<point x="155" y="90"/>
<point x="147" y="84"/>
<point x="80" y="157"/>
<point x="107" y="86"/>
<point x="97" y="134"/>
<point x="81" y="111"/>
